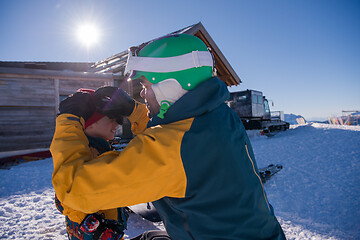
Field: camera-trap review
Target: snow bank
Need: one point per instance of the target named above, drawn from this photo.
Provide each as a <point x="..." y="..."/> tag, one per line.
<point x="315" y="196"/>
<point x="292" y="118"/>
<point x="317" y="193"/>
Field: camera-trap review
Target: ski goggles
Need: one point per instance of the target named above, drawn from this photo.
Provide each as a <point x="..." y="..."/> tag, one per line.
<point x="194" y="59"/>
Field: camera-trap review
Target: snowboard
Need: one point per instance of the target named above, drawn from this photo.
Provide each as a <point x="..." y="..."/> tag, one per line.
<point x="267" y="172"/>
<point x="146" y="211"/>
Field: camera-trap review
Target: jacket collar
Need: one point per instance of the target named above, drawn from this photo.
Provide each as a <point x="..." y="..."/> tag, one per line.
<point x="100" y="144"/>
<point x="204" y="98"/>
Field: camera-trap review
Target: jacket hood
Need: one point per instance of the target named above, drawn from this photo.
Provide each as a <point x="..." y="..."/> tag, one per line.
<point x="204" y="98"/>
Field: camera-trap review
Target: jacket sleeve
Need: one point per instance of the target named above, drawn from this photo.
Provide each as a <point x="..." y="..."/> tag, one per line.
<point x="148" y="169"/>
<point x="139" y="118"/>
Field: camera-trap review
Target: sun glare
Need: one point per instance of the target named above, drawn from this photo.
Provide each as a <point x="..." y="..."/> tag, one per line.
<point x="88" y="34"/>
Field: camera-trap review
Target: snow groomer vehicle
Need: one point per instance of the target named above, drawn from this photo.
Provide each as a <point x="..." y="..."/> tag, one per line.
<point x="254" y="111"/>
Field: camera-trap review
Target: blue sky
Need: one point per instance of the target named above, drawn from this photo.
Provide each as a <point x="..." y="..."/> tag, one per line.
<point x="304" y="55"/>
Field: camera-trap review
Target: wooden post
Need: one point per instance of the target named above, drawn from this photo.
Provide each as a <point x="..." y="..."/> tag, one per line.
<point x="57" y="95"/>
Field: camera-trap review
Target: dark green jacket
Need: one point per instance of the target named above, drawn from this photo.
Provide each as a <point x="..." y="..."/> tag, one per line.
<point x="225" y="198"/>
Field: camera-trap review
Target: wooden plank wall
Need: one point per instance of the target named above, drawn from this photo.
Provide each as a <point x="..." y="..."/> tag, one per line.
<point x="28" y="108"/>
<point x="26" y="113"/>
<point x="26" y="127"/>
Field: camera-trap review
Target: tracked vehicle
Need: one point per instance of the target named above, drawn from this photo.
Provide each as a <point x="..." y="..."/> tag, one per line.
<point x="254" y="111"/>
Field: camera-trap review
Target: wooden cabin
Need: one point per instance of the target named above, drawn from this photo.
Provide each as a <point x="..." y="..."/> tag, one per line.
<point x="31" y="92"/>
<point x="29" y="98"/>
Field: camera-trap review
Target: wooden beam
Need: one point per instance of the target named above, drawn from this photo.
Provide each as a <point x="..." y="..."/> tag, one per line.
<point x="41" y="74"/>
<point x="199" y="31"/>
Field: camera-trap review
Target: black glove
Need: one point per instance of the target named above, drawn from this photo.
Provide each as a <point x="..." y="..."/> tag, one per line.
<point x="80" y="104"/>
<point x="113" y="102"/>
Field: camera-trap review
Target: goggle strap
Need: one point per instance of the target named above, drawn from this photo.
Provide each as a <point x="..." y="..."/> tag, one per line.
<point x="194" y="59"/>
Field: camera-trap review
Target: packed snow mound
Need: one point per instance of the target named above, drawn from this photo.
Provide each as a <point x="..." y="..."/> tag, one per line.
<point x="315" y="196"/>
<point x="293" y="119"/>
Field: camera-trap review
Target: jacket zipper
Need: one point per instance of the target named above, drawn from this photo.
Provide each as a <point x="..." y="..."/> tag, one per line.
<point x="257" y="174"/>
<point x="186" y="224"/>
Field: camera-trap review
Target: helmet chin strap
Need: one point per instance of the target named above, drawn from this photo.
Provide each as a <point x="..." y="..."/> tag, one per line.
<point x="166" y="93"/>
<point x="165" y="105"/>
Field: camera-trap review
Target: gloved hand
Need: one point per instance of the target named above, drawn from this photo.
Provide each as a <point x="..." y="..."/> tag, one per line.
<point x="113" y="102"/>
<point x="80" y="104"/>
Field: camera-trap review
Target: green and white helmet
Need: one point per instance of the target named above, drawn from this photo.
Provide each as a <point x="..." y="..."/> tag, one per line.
<point x="182" y="57"/>
<point x="174" y="64"/>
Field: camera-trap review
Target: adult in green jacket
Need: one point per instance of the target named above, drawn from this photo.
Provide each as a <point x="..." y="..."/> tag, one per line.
<point x="192" y="159"/>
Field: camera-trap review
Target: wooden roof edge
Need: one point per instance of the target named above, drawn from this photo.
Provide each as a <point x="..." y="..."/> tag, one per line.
<point x="40" y="73"/>
<point x="104" y="61"/>
<point x="109" y="67"/>
<point x="199" y="27"/>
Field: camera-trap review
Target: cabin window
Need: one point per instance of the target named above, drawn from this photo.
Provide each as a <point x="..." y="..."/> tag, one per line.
<point x="257" y="99"/>
<point x="254" y="99"/>
<point x="240" y="98"/>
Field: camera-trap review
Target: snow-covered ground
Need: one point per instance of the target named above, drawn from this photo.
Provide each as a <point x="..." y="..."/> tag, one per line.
<point x="315" y="196"/>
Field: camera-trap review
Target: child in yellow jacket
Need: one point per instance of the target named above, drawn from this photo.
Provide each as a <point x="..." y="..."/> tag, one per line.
<point x="107" y="224"/>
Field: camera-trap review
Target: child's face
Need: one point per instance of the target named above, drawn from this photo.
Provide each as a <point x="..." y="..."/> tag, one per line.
<point x="104" y="128"/>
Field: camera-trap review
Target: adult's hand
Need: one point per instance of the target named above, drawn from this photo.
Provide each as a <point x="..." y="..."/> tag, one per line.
<point x="80" y="104"/>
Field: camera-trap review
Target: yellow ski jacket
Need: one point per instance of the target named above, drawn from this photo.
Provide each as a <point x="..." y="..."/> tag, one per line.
<point x="136" y="166"/>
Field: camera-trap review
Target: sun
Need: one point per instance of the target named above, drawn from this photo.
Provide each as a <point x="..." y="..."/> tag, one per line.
<point x="88" y="34"/>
